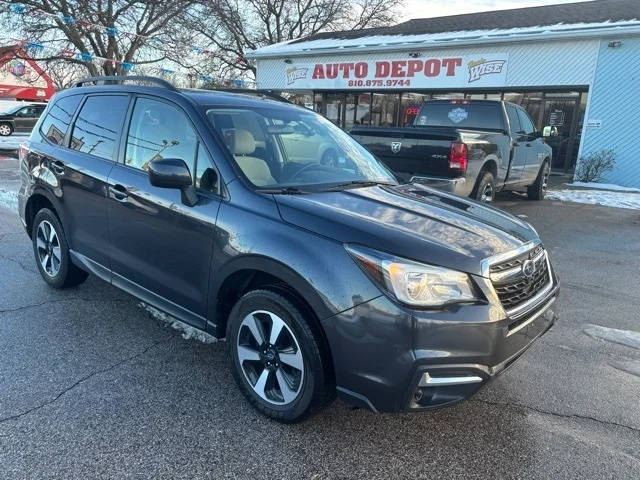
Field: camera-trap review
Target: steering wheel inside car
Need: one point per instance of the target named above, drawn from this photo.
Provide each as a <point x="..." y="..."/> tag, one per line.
<point x="310" y="166"/>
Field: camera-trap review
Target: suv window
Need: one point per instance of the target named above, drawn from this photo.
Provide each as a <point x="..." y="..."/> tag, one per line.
<point x="55" y="124"/>
<point x="206" y="176"/>
<point x="26" y="112"/>
<point x="525" y="121"/>
<point x="96" y="129"/>
<point x="514" y="120"/>
<point x="159" y="130"/>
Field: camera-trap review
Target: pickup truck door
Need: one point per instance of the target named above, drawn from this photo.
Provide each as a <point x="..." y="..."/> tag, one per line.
<point x="533" y="142"/>
<point x="520" y="147"/>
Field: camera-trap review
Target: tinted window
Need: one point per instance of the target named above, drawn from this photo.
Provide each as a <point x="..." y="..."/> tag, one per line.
<point x="159" y="130"/>
<point x="98" y="124"/>
<point x="514" y="121"/>
<point x="460" y="115"/>
<point x="526" y="123"/>
<point x="55" y="124"/>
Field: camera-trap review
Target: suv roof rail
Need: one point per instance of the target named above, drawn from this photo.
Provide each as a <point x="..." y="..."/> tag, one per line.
<point x="115" y="79"/>
<point x="251" y="91"/>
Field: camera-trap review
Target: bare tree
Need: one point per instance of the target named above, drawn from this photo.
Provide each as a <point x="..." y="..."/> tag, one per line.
<point x="98" y="28"/>
<point x="234" y="27"/>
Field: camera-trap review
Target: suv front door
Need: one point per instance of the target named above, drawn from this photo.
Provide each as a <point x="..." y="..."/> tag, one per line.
<point x="161" y="248"/>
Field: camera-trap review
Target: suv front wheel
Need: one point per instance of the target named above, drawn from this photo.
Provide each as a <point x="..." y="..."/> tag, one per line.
<point x="279" y="363"/>
<point x="52" y="252"/>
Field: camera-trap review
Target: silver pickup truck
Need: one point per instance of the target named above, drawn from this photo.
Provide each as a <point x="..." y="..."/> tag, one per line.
<point x="469" y="147"/>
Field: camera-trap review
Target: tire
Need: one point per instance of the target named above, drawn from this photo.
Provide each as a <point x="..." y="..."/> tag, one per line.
<point x="308" y="384"/>
<point x="538" y="190"/>
<point x="6" y="129"/>
<point x="485" y="189"/>
<point x="52" y="252"/>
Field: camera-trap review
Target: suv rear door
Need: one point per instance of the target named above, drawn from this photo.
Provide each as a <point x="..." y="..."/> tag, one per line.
<point x="161" y="248"/>
<point x="93" y="148"/>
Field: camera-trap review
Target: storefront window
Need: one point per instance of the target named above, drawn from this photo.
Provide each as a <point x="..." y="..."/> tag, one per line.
<point x="410" y="104"/>
<point x="475" y="96"/>
<point x="351" y="106"/>
<point x="530" y="101"/>
<point x="494" y="96"/>
<point x="363" y="110"/>
<point x="448" y="96"/>
<point x="384" y="109"/>
<point x="317" y="102"/>
<point x="335" y="107"/>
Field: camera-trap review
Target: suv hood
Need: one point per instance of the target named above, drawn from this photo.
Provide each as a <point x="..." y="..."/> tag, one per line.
<point x="411" y="221"/>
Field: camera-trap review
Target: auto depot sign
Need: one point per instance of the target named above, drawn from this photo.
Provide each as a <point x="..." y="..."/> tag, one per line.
<point x="468" y="71"/>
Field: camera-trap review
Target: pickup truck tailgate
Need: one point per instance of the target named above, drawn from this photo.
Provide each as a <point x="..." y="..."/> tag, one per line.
<point x="414" y="151"/>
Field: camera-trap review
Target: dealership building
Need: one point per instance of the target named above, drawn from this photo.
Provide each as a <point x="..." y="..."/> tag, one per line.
<point x="574" y="66"/>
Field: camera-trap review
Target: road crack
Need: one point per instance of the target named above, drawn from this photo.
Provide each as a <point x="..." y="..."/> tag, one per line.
<point x="555" y="414"/>
<point x="85" y="378"/>
<point x="20" y="264"/>
<point x="61" y="300"/>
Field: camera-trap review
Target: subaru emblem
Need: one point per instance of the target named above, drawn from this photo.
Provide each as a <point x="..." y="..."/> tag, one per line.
<point x="396" y="146"/>
<point x="528" y="268"/>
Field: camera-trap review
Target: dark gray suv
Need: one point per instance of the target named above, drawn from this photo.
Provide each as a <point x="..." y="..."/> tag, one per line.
<point x="262" y="222"/>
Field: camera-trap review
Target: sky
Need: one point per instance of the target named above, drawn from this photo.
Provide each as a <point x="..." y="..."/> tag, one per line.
<point x="437" y="8"/>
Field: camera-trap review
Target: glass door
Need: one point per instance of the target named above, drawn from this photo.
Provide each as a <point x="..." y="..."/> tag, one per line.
<point x="559" y="113"/>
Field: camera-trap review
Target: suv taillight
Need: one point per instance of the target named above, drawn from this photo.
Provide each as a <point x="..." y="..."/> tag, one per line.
<point x="23" y="151"/>
<point x="458" y="156"/>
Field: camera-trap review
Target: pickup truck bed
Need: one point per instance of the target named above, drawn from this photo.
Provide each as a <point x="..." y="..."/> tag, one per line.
<point x="457" y="155"/>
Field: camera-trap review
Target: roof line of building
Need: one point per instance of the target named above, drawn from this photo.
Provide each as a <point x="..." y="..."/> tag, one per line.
<point x="408" y="42"/>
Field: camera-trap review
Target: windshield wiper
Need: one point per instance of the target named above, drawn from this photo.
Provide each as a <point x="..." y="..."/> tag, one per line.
<point x="283" y="190"/>
<point x="356" y="183"/>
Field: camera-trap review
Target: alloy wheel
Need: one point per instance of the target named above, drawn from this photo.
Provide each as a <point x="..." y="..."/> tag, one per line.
<point x="270" y="357"/>
<point x="5" y="130"/>
<point x="487" y="193"/>
<point x="48" y="248"/>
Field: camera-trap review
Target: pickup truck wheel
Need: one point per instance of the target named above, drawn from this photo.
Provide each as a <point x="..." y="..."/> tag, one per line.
<point x="485" y="189"/>
<point x="6" y="129"/>
<point x="279" y="363"/>
<point x="538" y="190"/>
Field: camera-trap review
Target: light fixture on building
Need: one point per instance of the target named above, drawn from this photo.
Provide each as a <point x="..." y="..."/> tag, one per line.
<point x="615" y="44"/>
<point x="287" y="60"/>
<point x="415" y="54"/>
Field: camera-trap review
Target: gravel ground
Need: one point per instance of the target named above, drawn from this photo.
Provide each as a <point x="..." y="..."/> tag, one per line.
<point x="93" y="386"/>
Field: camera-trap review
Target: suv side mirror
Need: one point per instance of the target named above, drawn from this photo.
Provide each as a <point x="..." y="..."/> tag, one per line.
<point x="549" y="131"/>
<point x="173" y="173"/>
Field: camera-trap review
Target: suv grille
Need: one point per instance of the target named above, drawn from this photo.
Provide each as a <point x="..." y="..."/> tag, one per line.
<point x="513" y="287"/>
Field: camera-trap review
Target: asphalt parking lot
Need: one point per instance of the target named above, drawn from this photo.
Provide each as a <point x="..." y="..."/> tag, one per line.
<point x="93" y="386"/>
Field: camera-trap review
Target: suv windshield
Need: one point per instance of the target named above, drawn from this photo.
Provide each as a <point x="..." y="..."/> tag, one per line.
<point x="280" y="148"/>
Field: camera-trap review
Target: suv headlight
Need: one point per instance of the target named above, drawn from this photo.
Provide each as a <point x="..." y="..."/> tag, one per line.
<point x="413" y="283"/>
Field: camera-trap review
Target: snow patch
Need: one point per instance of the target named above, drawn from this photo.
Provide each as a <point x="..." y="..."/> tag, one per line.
<point x="9" y="200"/>
<point x="628" y="338"/>
<point x="597" y="197"/>
<point x="188" y="332"/>
<point x="604" y="186"/>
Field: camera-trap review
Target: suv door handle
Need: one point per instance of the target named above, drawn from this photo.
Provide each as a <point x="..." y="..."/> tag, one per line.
<point x="58" y="167"/>
<point x="118" y="192"/>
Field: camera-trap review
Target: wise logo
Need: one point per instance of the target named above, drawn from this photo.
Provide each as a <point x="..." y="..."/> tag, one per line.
<point x="482" y="67"/>
<point x="295" y="73"/>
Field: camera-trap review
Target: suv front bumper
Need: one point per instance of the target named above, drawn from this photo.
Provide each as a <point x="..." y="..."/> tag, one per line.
<point x="388" y="358"/>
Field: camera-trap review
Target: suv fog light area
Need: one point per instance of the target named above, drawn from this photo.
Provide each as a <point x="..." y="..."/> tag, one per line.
<point x="434" y="391"/>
